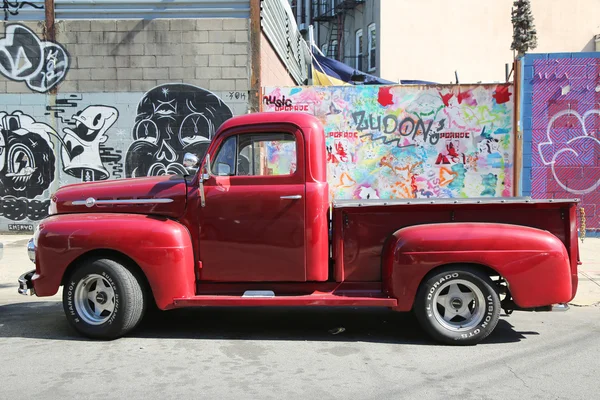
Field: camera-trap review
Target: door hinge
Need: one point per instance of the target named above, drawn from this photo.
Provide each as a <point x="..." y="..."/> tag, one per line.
<point x="346" y="220"/>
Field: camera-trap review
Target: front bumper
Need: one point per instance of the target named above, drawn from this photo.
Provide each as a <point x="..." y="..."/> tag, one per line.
<point x="25" y="283"/>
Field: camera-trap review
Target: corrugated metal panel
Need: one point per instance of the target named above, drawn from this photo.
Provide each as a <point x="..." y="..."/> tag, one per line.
<point x="279" y="25"/>
<point x="30" y="10"/>
<point x="149" y="9"/>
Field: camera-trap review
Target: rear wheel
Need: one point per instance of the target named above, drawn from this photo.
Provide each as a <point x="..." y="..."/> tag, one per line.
<point x="103" y="299"/>
<point x="458" y="305"/>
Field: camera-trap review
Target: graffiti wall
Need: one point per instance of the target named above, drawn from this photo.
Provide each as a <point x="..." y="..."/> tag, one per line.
<point x="97" y="136"/>
<point x="561" y="123"/>
<point x="408" y="141"/>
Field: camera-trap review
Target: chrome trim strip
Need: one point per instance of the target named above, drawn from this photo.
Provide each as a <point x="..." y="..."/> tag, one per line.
<point x="91" y="202"/>
<point x="473" y="200"/>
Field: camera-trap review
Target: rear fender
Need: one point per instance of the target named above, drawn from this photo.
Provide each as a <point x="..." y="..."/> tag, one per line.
<point x="161" y="247"/>
<point x="534" y="263"/>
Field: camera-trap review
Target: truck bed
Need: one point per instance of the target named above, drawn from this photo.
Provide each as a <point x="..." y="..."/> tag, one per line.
<point x="361" y="227"/>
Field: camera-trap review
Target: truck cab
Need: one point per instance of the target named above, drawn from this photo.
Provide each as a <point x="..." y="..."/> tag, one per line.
<point x="254" y="224"/>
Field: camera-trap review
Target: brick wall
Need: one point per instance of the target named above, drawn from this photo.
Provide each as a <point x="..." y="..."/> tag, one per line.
<point x="111" y="99"/>
<point x="561" y="121"/>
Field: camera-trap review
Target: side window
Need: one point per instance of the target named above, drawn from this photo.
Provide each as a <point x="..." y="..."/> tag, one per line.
<point x="267" y="155"/>
<point x="224" y="163"/>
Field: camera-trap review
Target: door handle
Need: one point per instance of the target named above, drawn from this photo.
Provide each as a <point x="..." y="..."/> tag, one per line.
<point x="293" y="197"/>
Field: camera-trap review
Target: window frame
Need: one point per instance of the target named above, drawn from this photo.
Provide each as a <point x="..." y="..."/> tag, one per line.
<point x="358" y="48"/>
<point x="372" y="47"/>
<point x="334" y="49"/>
<point x="253" y="138"/>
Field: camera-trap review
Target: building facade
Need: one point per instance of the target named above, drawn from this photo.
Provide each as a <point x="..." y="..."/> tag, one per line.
<point x="98" y="90"/>
<point x="439" y="40"/>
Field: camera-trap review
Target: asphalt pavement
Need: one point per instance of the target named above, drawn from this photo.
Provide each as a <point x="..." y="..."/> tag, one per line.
<point x="295" y="353"/>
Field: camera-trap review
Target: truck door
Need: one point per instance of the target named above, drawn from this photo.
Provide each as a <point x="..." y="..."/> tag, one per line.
<point x="252" y="224"/>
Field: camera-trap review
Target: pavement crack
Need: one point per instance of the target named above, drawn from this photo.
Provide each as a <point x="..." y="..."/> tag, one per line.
<point x="517" y="376"/>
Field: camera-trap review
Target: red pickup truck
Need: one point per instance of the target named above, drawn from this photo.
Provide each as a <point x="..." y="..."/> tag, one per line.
<point x="247" y="228"/>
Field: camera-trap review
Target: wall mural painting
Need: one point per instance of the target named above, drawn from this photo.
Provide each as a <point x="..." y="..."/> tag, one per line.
<point x="79" y="139"/>
<point x="563" y="136"/>
<point x="26" y="166"/>
<point x="12" y="8"/>
<point x="26" y="58"/>
<point x="172" y="120"/>
<point x="410" y="142"/>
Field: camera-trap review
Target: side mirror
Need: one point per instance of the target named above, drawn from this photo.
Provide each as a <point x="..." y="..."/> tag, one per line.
<point x="190" y="161"/>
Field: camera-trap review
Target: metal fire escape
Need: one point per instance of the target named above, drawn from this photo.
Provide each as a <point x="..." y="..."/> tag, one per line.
<point x="332" y="14"/>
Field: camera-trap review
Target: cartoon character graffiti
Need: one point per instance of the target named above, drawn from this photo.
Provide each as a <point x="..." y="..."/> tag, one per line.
<point x="81" y="145"/>
<point x="172" y="120"/>
<point x="26" y="156"/>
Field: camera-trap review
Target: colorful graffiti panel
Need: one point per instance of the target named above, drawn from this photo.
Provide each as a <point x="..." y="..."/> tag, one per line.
<point x="410" y="142"/>
<point x="562" y="120"/>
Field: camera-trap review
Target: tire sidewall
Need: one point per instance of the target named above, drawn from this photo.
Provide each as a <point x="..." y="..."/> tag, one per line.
<point x="473" y="335"/>
<point x="116" y="320"/>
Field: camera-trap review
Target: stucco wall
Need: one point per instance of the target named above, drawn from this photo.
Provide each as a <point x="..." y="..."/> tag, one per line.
<point x="430" y="39"/>
<point x="272" y="70"/>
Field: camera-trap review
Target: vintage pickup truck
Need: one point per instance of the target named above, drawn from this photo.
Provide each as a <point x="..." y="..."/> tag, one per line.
<point x="247" y="229"/>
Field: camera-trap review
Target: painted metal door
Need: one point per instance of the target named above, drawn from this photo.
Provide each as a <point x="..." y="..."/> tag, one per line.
<point x="252" y="227"/>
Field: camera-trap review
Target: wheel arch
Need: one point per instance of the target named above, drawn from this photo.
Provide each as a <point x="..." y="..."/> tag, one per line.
<point x="114" y="255"/>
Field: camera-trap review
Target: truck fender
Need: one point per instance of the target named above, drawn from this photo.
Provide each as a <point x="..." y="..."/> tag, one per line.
<point x="534" y="263"/>
<point x="162" y="248"/>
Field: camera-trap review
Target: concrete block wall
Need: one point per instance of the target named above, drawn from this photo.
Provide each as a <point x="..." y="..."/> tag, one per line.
<point x="111" y="99"/>
<point x="561" y="125"/>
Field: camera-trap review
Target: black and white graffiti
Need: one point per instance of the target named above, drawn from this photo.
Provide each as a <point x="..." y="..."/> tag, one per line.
<point x="81" y="144"/>
<point x="26" y="166"/>
<point x="13" y="7"/>
<point x="173" y="119"/>
<point x="25" y="58"/>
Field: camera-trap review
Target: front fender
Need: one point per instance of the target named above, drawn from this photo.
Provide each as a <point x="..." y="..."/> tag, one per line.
<point x="161" y="247"/>
<point x="534" y="263"/>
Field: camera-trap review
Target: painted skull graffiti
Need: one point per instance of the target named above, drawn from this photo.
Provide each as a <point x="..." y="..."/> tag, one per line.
<point x="81" y="147"/>
<point x="26" y="156"/>
<point x="172" y="120"/>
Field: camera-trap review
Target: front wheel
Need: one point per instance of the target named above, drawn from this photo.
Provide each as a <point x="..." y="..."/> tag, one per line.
<point x="458" y="305"/>
<point x="103" y="299"/>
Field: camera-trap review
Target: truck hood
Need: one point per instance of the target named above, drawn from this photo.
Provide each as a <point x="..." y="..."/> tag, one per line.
<point x="157" y="195"/>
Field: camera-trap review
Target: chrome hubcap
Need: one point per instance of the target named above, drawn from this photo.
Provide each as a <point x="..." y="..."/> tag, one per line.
<point x="459" y="305"/>
<point x="94" y="299"/>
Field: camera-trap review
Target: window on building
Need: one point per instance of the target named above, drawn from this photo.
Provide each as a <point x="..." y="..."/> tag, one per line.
<point x="372" y="47"/>
<point x="334" y="49"/>
<point x="359" y="50"/>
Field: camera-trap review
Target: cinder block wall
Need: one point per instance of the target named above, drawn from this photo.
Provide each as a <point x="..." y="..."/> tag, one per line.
<point x="111" y="99"/>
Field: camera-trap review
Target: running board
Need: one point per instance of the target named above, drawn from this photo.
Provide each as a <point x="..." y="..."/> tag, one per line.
<point x="265" y="299"/>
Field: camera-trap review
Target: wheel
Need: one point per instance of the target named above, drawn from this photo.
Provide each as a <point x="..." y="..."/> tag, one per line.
<point x="458" y="305"/>
<point x="103" y="299"/>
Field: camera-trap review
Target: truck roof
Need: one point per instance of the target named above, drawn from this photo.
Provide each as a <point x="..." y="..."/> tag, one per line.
<point x="300" y="119"/>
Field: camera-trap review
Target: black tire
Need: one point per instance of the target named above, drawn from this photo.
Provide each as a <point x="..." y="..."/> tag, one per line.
<point x="484" y="317"/>
<point x="125" y="291"/>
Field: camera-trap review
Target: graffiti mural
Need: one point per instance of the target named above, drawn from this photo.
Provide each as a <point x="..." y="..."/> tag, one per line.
<point x="81" y="144"/>
<point x="562" y="130"/>
<point x="25" y="58"/>
<point x="26" y="165"/>
<point x="81" y="137"/>
<point x="411" y="142"/>
<point x="172" y="120"/>
<point x="12" y="8"/>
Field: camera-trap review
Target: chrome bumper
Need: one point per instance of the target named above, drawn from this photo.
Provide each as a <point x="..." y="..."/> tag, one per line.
<point x="25" y="283"/>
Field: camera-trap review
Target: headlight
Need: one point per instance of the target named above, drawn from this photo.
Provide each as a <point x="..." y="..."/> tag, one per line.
<point x="52" y="209"/>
